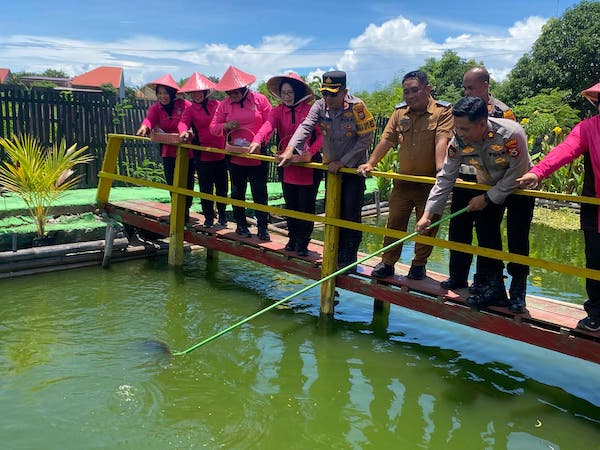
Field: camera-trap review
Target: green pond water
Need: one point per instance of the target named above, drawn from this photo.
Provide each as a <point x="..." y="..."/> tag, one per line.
<point x="81" y="368"/>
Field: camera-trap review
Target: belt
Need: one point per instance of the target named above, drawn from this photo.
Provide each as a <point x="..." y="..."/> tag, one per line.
<point x="466" y="169"/>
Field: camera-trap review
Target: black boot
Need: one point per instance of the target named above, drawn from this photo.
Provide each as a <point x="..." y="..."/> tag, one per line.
<point x="263" y="234"/>
<point x="494" y="294"/>
<point x="517" y="292"/>
<point x="291" y="245"/>
<point x="302" y="246"/>
<point x="479" y="284"/>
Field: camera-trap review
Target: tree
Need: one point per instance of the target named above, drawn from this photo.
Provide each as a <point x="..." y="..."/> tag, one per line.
<point x="40" y="176"/>
<point x="53" y="73"/>
<point x="446" y="75"/>
<point x="565" y="56"/>
<point x="381" y="102"/>
<point x="108" y="89"/>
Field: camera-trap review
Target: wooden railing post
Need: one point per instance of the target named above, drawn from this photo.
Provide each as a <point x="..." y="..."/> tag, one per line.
<point x="177" y="218"/>
<point x="109" y="165"/>
<point x="331" y="241"/>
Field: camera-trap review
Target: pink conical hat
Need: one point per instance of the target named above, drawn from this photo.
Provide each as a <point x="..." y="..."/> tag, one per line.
<point x="197" y="82"/>
<point x="234" y="78"/>
<point x="165" y="80"/>
<point x="274" y="84"/>
<point x="592" y="93"/>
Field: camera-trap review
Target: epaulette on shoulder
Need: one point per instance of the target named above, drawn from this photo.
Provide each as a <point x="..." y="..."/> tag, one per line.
<point x="443" y="103"/>
<point x="400" y="105"/>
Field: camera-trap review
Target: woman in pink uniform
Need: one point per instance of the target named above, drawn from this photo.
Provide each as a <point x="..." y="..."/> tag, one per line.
<point x="243" y="110"/>
<point x="211" y="168"/>
<point x="583" y="140"/>
<point x="164" y="115"/>
<point x="300" y="184"/>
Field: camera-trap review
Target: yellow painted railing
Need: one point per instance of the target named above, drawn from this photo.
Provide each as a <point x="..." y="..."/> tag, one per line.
<point x="331" y="219"/>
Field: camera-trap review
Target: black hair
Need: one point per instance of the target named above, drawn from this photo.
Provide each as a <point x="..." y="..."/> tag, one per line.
<point x="472" y="107"/>
<point x="419" y="75"/>
<point x="298" y="88"/>
<point x="171" y="91"/>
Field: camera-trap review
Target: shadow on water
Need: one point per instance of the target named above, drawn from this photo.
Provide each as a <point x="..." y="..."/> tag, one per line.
<point x="153" y="349"/>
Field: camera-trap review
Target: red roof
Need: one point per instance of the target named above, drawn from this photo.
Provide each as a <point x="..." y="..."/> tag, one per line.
<point x="4" y="74"/>
<point x="99" y="76"/>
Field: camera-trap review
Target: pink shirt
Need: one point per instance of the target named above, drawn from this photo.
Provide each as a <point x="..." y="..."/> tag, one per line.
<point x="157" y="117"/>
<point x="584" y="138"/>
<point x="280" y="119"/>
<point x="196" y="115"/>
<point x="254" y="112"/>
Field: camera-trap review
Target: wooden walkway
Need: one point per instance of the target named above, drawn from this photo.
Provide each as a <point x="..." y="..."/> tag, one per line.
<point x="546" y="323"/>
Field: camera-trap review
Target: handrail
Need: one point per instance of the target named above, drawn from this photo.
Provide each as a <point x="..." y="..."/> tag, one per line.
<point x="106" y="175"/>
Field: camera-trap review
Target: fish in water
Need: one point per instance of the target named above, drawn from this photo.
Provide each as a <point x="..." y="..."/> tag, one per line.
<point x="151" y="346"/>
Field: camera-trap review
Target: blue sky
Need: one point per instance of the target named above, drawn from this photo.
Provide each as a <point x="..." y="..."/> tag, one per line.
<point x="373" y="41"/>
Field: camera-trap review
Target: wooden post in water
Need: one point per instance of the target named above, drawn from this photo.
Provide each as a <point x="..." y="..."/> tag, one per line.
<point x="330" y="241"/>
<point x="381" y="317"/>
<point x="108" y="244"/>
<point x="177" y="218"/>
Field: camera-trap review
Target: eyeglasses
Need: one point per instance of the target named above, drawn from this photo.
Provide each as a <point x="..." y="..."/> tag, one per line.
<point x="235" y="91"/>
<point x="329" y="94"/>
<point x="287" y="93"/>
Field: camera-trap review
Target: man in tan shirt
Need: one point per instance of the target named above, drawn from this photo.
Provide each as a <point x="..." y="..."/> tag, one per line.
<point x="422" y="127"/>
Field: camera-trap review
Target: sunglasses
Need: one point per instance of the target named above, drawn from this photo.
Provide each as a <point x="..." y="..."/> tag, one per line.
<point x="329" y="94"/>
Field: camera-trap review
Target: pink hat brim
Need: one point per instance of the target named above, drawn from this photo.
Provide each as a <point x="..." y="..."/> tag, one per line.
<point x="234" y="78"/>
<point x="165" y="80"/>
<point x="197" y="82"/>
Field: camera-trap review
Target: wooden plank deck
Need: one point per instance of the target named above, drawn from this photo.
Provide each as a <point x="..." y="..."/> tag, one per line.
<point x="546" y="323"/>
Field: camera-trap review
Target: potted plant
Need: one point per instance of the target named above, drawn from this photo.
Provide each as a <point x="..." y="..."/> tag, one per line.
<point x="38" y="175"/>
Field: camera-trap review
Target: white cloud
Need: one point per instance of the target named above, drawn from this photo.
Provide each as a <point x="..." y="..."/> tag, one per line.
<point x="399" y="45"/>
<point x="372" y="58"/>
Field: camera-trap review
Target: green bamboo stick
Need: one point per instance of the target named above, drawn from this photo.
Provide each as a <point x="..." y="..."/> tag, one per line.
<point x="312" y="285"/>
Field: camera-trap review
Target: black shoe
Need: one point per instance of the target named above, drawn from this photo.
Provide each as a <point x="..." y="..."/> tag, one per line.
<point x="494" y="294"/>
<point x="302" y="251"/>
<point x="479" y="284"/>
<point x="209" y="223"/>
<point x="517" y="294"/>
<point x="451" y="284"/>
<point x="589" y="323"/>
<point x="416" y="273"/>
<point x="263" y="234"/>
<point x="290" y="246"/>
<point x="243" y="231"/>
<point x="346" y="262"/>
<point x="382" y="270"/>
<point x="517" y="303"/>
<point x="223" y="221"/>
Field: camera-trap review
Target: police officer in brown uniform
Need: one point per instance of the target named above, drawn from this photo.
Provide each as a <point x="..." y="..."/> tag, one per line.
<point x="347" y="127"/>
<point x="422" y="127"/>
<point x="519" y="210"/>
<point x="497" y="150"/>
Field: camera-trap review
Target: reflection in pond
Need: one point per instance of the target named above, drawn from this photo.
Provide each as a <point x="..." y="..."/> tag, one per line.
<point x="85" y="354"/>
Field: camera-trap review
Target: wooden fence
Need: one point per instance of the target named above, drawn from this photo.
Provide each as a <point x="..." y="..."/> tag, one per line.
<point x="86" y="118"/>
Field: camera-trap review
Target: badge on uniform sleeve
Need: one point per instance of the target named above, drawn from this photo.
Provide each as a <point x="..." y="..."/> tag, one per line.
<point x="451" y="151"/>
<point x="365" y="123"/>
<point x="512" y="147"/>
